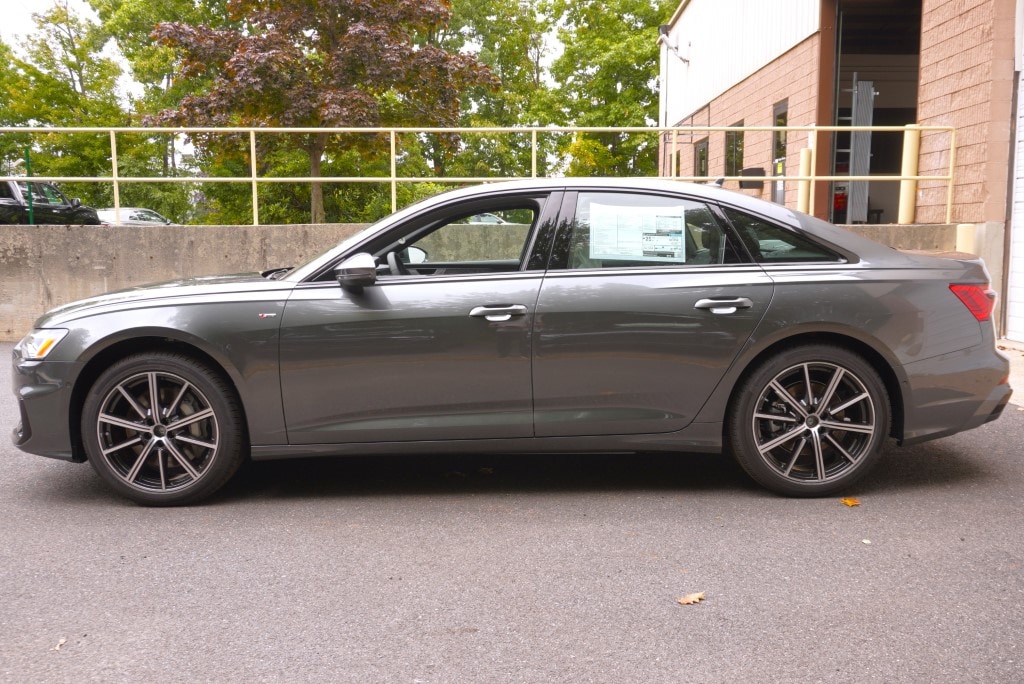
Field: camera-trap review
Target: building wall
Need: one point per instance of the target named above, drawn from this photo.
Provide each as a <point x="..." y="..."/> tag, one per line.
<point x="793" y="77"/>
<point x="966" y="81"/>
<point x="723" y="44"/>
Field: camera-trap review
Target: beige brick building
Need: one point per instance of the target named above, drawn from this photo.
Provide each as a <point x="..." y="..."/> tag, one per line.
<point x="840" y="62"/>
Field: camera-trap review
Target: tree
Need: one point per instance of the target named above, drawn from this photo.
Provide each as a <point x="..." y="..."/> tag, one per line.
<point x="65" y="80"/>
<point x="319" y="64"/>
<point x="511" y="39"/>
<point x="606" y="76"/>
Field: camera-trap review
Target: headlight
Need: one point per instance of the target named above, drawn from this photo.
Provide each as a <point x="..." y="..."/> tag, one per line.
<point x="38" y="343"/>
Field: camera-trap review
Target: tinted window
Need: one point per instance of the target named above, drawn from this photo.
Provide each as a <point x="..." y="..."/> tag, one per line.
<point x="617" y="230"/>
<point x="40" y="194"/>
<point x="769" y="243"/>
<point x="483" y="242"/>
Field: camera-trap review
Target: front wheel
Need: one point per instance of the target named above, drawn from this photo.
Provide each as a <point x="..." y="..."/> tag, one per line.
<point x="810" y="421"/>
<point x="163" y="429"/>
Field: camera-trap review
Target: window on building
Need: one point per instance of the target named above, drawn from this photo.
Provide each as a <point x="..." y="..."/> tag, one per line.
<point x="700" y="158"/>
<point x="734" y="151"/>
<point x="780" y="117"/>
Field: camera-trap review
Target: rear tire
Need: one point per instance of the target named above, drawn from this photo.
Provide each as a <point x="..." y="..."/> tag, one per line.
<point x="809" y="421"/>
<point x="163" y="429"/>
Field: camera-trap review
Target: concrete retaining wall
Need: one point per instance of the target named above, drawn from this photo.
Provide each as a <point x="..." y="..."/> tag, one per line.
<point x="45" y="266"/>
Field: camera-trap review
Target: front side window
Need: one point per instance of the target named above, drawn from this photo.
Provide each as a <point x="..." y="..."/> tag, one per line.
<point x="492" y="241"/>
<point x="770" y="243"/>
<point x="40" y="194"/>
<point x="146" y="215"/>
<point x="622" y="230"/>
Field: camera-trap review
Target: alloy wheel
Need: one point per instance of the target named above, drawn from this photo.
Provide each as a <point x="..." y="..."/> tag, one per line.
<point x="814" y="422"/>
<point x="157" y="432"/>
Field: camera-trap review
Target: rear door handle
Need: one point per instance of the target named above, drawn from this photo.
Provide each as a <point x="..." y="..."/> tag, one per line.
<point x="724" y="306"/>
<point x="497" y="314"/>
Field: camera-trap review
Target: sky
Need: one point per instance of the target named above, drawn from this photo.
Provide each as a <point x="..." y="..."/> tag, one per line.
<point x="17" y="16"/>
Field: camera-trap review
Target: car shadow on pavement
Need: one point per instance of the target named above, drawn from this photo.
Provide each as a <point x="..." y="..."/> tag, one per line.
<point x="935" y="465"/>
<point x="457" y="474"/>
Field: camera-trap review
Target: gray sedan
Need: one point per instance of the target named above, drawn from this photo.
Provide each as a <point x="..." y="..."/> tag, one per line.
<point x="596" y="316"/>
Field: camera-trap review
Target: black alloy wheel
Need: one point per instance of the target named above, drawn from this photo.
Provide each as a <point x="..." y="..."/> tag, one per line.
<point x="163" y="429"/>
<point x="810" y="421"/>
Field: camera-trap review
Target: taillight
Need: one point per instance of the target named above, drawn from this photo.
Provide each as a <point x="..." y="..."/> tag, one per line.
<point x="978" y="299"/>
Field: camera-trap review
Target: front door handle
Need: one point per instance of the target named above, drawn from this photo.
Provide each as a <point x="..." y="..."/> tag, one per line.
<point x="724" y="306"/>
<point x="498" y="314"/>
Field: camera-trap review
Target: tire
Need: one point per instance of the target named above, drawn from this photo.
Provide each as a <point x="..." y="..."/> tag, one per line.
<point x="180" y="454"/>
<point x="809" y="421"/>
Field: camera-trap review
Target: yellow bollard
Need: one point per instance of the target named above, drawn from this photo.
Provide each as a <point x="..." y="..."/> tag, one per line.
<point x="803" y="188"/>
<point x="908" y="188"/>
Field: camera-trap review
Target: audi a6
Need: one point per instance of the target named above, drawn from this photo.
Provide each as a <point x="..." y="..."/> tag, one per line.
<point x="591" y="316"/>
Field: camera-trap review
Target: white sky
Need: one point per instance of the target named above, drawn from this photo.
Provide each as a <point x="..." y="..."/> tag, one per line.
<point x="16" y="16"/>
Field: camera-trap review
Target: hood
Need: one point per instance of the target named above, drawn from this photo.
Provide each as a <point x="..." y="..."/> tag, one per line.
<point x="171" y="291"/>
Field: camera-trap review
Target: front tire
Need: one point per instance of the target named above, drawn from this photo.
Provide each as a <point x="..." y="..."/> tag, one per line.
<point x="809" y="421"/>
<point x="163" y="429"/>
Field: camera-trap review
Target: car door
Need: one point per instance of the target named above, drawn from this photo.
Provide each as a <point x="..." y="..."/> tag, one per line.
<point x="438" y="348"/>
<point x="648" y="301"/>
<point x="11" y="208"/>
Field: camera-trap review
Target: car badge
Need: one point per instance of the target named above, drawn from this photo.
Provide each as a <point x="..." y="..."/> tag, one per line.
<point x="267" y="315"/>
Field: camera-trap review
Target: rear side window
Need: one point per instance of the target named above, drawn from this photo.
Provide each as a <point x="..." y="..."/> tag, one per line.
<point x="622" y="230"/>
<point x="773" y="244"/>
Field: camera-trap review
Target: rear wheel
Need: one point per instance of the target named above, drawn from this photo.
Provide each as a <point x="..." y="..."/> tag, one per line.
<point x="810" y="421"/>
<point x="163" y="429"/>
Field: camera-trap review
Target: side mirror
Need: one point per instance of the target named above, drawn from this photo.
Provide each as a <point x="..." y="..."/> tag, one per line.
<point x="357" y="272"/>
<point x="76" y="203"/>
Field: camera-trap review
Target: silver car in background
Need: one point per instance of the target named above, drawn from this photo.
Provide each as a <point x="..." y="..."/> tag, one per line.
<point x="133" y="216"/>
<point x="594" y="316"/>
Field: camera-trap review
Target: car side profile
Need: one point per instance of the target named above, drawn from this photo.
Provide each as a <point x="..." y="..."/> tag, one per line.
<point x="595" y="316"/>
<point x="31" y="202"/>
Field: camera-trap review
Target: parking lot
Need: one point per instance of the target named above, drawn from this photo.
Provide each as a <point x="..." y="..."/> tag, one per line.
<point x="520" y="569"/>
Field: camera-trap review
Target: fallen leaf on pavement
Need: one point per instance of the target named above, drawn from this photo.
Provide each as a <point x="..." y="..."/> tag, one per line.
<point x="691" y="599"/>
<point x="850" y="501"/>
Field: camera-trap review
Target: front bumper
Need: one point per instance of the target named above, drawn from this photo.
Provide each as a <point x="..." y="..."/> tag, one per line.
<point x="43" y="390"/>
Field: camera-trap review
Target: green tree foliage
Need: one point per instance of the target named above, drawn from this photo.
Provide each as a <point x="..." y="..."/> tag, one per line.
<point x="11" y="145"/>
<point x="64" y="80"/>
<point x="317" y="64"/>
<point x="606" y="76"/>
<point x="511" y="39"/>
<point x="326" y="63"/>
<point x="131" y="22"/>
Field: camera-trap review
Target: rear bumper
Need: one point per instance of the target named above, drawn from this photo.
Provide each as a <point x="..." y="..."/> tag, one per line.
<point x="954" y="392"/>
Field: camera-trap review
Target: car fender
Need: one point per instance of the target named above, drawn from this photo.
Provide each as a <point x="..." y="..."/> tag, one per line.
<point x="247" y="355"/>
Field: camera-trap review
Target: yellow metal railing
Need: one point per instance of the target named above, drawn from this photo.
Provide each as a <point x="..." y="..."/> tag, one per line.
<point x="667" y="137"/>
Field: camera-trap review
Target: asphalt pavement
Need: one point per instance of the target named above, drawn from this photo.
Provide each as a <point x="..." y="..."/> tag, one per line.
<point x="520" y="569"/>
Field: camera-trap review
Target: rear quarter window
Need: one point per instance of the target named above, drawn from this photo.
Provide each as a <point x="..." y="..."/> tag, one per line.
<point x="772" y="244"/>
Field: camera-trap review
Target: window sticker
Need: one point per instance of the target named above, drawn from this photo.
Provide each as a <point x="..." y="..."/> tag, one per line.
<point x="637" y="233"/>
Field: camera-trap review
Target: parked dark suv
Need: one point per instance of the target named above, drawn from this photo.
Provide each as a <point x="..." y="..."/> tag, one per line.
<point x="49" y="205"/>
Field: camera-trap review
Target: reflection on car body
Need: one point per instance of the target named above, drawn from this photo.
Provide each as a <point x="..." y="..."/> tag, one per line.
<point x="796" y="346"/>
